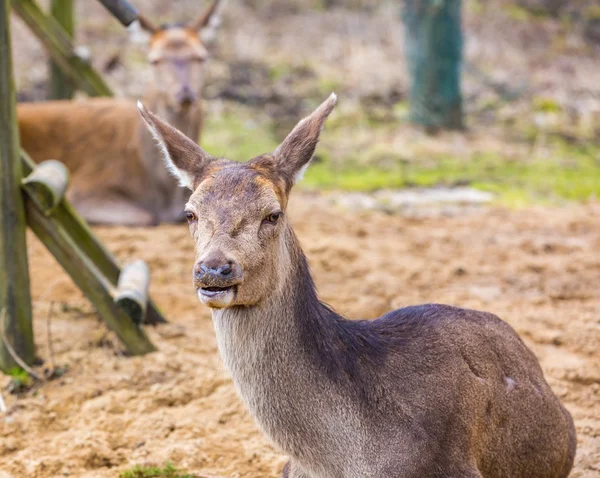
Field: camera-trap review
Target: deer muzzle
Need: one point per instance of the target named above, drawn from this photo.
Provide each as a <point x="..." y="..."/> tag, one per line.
<point x="216" y="279"/>
<point x="186" y="96"/>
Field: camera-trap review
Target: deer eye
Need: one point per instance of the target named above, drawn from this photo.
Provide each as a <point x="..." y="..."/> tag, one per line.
<point x="272" y="218"/>
<point x="190" y="216"/>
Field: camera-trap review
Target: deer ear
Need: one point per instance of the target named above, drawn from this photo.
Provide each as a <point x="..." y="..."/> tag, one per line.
<point x="147" y="25"/>
<point x="187" y="161"/>
<point x="294" y="154"/>
<point x="204" y="20"/>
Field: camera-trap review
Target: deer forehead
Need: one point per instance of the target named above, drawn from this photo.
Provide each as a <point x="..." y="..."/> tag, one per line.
<point x="237" y="191"/>
<point x="176" y="41"/>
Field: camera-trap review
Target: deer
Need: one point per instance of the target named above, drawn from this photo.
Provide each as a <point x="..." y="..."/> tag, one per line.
<point x="116" y="172"/>
<point x="426" y="391"/>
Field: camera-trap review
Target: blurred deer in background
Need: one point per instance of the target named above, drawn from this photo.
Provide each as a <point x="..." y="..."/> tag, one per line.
<point x="429" y="391"/>
<point x="117" y="174"/>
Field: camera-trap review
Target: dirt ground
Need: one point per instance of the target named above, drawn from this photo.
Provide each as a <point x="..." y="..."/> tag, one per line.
<point x="539" y="269"/>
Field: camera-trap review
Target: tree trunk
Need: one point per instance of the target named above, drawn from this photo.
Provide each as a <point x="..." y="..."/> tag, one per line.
<point x="434" y="54"/>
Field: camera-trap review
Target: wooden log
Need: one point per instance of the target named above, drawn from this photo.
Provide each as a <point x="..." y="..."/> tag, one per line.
<point x="122" y="10"/>
<point x="132" y="290"/>
<point x="90" y="245"/>
<point x="60" y="48"/>
<point x="15" y="295"/>
<point x="61" y="87"/>
<point x="47" y="184"/>
<point x="87" y="277"/>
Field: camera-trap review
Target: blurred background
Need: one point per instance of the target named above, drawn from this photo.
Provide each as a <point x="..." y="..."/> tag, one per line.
<point x="529" y="88"/>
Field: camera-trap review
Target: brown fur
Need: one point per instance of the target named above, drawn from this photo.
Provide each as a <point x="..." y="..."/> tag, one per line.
<point x="117" y="175"/>
<point x="429" y="391"/>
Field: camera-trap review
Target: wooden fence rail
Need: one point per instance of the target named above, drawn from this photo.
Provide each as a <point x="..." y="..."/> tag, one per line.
<point x="61" y="87"/>
<point x="59" y="46"/>
<point x="120" y="297"/>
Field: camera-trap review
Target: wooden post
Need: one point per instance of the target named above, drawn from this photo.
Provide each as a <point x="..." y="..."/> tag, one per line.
<point x="60" y="48"/>
<point x="132" y="290"/>
<point x="89" y="244"/>
<point x="47" y="184"/>
<point x="15" y="295"/>
<point x="61" y="87"/>
<point x="86" y="276"/>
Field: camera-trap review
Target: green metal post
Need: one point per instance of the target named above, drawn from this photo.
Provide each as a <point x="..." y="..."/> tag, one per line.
<point x="434" y="54"/>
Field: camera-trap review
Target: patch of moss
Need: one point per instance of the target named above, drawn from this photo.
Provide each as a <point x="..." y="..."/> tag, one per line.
<point x="146" y="471"/>
<point x="328" y="85"/>
<point x="236" y="136"/>
<point x="20" y="380"/>
<point x="518" y="13"/>
<point x="568" y="173"/>
<point x="276" y="72"/>
<point x="546" y="105"/>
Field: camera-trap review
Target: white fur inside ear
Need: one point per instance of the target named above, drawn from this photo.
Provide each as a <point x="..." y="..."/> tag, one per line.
<point x="185" y="180"/>
<point x="137" y="35"/>
<point x="300" y="173"/>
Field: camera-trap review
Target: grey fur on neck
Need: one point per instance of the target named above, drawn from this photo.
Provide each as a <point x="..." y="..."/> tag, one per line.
<point x="270" y="351"/>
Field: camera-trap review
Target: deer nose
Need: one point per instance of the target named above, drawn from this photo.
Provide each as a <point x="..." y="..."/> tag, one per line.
<point x="224" y="270"/>
<point x="186" y="95"/>
<point x="215" y="270"/>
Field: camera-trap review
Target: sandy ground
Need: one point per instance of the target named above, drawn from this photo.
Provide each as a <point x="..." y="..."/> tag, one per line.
<point x="539" y="269"/>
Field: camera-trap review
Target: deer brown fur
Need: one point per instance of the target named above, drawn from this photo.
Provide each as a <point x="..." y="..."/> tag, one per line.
<point x="116" y="171"/>
<point x="429" y="391"/>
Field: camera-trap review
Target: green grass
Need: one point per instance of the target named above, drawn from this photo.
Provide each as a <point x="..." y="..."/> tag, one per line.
<point x="20" y="380"/>
<point x="145" y="471"/>
<point x="574" y="176"/>
<point x="566" y="171"/>
<point x="236" y="136"/>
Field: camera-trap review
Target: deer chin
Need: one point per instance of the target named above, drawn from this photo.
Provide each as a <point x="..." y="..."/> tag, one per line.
<point x="217" y="297"/>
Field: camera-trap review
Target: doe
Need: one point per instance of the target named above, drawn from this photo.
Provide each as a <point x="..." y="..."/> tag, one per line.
<point x="116" y="172"/>
<point x="429" y="391"/>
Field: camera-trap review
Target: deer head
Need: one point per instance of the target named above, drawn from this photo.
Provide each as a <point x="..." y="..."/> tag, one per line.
<point x="237" y="212"/>
<point x="177" y="55"/>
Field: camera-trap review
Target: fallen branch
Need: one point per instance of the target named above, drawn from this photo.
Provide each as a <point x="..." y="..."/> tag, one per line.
<point x="12" y="352"/>
<point x="49" y="341"/>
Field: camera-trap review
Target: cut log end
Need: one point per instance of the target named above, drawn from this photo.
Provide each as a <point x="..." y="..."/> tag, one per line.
<point x="47" y="184"/>
<point x="132" y="290"/>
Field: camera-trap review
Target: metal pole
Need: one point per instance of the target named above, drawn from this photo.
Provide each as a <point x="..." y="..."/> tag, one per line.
<point x="122" y="10"/>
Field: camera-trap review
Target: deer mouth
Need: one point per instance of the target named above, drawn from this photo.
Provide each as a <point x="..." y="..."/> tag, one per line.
<point x="216" y="291"/>
<point x="217" y="297"/>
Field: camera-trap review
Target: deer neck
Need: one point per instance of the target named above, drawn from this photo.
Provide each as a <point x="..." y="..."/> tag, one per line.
<point x="187" y="120"/>
<point x="276" y="324"/>
<point x="282" y="355"/>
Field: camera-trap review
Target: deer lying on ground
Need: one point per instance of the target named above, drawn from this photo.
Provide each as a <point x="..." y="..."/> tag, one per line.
<point x="117" y="175"/>
<point x="429" y="391"/>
